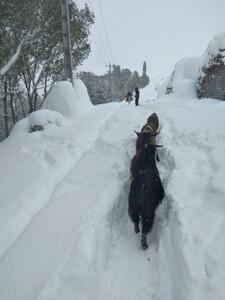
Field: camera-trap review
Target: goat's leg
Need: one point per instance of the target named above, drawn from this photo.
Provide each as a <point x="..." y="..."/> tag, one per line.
<point x="135" y="218"/>
<point x="147" y="223"/>
<point x="144" y="244"/>
<point x="136" y="227"/>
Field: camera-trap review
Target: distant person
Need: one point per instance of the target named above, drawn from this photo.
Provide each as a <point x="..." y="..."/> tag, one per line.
<point x="137" y="95"/>
<point x="129" y="97"/>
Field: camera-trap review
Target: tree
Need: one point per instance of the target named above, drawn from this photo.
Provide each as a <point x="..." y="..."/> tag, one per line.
<point x="144" y="69"/>
<point x="144" y="80"/>
<point x="36" y="26"/>
<point x="134" y="81"/>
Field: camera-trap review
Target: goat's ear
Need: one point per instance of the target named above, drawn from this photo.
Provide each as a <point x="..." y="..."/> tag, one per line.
<point x="159" y="130"/>
<point x="137" y="133"/>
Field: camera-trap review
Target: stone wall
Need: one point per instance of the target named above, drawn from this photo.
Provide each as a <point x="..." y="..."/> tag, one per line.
<point x="212" y="83"/>
<point x="216" y="83"/>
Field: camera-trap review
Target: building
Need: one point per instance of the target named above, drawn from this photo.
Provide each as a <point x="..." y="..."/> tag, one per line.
<point x="211" y="83"/>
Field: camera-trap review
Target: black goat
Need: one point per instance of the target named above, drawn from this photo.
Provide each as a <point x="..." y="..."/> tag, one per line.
<point x="146" y="190"/>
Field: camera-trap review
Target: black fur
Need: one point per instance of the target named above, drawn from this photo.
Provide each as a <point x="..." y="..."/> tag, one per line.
<point x="146" y="190"/>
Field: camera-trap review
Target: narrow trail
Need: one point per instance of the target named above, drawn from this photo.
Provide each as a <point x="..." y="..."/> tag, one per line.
<point x="108" y="266"/>
<point x="117" y="266"/>
<point x="129" y="270"/>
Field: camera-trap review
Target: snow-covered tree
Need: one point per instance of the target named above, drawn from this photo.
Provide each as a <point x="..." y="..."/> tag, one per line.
<point x="144" y="78"/>
<point x="121" y="81"/>
<point x="35" y="27"/>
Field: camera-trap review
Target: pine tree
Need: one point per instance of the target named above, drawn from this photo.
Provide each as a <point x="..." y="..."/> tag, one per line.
<point x="134" y="81"/>
<point x="144" y="69"/>
<point x="144" y="81"/>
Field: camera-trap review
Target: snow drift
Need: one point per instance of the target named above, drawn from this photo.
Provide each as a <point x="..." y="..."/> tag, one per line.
<point x="182" y="82"/>
<point x="44" y="118"/>
<point x="68" y="100"/>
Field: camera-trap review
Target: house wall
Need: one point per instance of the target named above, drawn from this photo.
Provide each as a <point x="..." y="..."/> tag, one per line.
<point x="215" y="83"/>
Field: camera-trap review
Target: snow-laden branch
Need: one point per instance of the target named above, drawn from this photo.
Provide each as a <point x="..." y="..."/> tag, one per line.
<point x="12" y="60"/>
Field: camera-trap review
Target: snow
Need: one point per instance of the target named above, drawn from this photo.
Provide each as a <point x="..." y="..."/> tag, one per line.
<point x="12" y="60"/>
<point x="215" y="47"/>
<point x="67" y="100"/>
<point x="182" y="82"/>
<point x="64" y="229"/>
<point x="45" y="118"/>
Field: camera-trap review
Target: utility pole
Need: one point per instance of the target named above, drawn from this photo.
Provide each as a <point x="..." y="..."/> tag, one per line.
<point x="68" y="72"/>
<point x="110" y="80"/>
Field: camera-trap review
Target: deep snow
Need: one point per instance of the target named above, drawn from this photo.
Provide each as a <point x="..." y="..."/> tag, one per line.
<point x="65" y="233"/>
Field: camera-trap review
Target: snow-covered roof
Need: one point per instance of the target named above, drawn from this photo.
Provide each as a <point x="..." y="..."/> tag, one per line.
<point x="216" y="48"/>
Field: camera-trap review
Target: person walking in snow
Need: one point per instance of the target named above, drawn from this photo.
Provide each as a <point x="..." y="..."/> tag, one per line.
<point x="146" y="189"/>
<point x="129" y="97"/>
<point x="137" y="95"/>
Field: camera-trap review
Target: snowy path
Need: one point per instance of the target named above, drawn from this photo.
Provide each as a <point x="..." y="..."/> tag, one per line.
<point x="130" y="271"/>
<point x="105" y="232"/>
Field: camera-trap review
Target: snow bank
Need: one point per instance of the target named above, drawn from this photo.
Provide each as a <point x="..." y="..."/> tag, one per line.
<point x="147" y="95"/>
<point x="33" y="163"/>
<point x="185" y="76"/>
<point x="63" y="104"/>
<point x="44" y="118"/>
<point x="182" y="82"/>
<point x="82" y="94"/>
<point x="67" y="100"/>
<point x="191" y="264"/>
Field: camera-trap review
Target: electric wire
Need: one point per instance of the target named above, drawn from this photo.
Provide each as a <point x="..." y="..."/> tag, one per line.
<point x="94" y="40"/>
<point x="104" y="47"/>
<point x="105" y="29"/>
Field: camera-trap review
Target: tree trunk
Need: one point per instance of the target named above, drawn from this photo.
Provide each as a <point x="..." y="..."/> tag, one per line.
<point x="30" y="101"/>
<point x="22" y="106"/>
<point x="35" y="100"/>
<point x="12" y="109"/>
<point x="6" y="119"/>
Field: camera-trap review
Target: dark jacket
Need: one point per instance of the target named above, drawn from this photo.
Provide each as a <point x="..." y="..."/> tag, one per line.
<point x="137" y="93"/>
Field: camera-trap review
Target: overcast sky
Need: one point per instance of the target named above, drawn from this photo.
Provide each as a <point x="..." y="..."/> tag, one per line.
<point x="161" y="32"/>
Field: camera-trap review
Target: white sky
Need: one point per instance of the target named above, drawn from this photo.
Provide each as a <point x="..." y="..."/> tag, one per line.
<point x="158" y="31"/>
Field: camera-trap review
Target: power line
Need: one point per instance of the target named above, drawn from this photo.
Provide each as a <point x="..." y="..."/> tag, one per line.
<point x="106" y="49"/>
<point x="94" y="41"/>
<point x="98" y="50"/>
<point x="105" y="28"/>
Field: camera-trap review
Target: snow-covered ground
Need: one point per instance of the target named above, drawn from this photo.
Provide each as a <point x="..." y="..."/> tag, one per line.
<point x="65" y="233"/>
